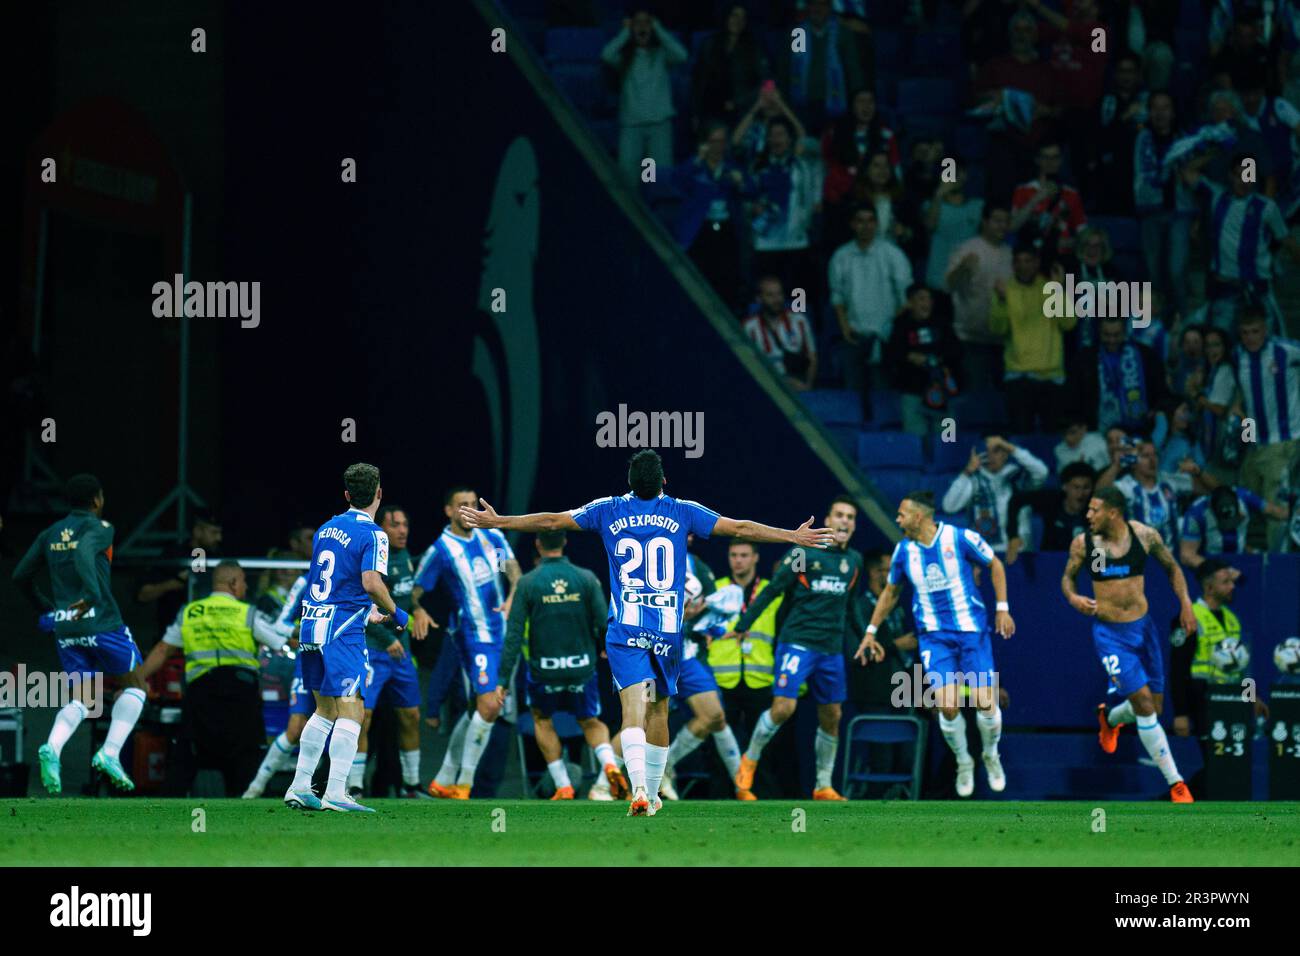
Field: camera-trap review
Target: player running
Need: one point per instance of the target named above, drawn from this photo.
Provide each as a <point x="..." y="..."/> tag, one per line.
<point x="951" y="627"/>
<point x="471" y="562"/>
<point x="819" y="592"/>
<point x="1126" y="639"/>
<point x="560" y="610"/>
<point x="348" y="563"/>
<point x="644" y="533"/>
<point x="78" y="551"/>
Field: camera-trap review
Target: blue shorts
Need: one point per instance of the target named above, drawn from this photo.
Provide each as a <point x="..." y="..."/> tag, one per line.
<point x="1130" y="655"/>
<point x="824" y="674"/>
<point x="580" y="700"/>
<point x="112" y="653"/>
<point x="695" y="678"/>
<point x="638" y="654"/>
<point x="480" y="663"/>
<point x="954" y="656"/>
<point x="301" y="699"/>
<point x="339" y="668"/>
<point x="398" y="676"/>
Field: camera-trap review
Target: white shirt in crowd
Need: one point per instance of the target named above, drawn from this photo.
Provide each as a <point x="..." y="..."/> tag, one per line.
<point x="987" y="495"/>
<point x="1091" y="450"/>
<point x="871" y="284"/>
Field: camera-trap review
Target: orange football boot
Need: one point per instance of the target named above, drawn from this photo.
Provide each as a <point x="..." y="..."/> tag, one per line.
<point x="460" y="791"/>
<point x="564" y="793"/>
<point x="640" y="805"/>
<point x="745" y="775"/>
<point x="618" y="786"/>
<point x="1107" y="735"/>
<point x="745" y="795"/>
<point x="827" y="793"/>
<point x="1179" y="793"/>
<point x="438" y="790"/>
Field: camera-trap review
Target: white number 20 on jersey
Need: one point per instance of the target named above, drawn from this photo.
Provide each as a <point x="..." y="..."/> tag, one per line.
<point x="657" y="557"/>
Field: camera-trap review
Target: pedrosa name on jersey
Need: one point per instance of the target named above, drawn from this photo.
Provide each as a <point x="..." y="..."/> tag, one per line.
<point x="640" y="521"/>
<point x="338" y="535"/>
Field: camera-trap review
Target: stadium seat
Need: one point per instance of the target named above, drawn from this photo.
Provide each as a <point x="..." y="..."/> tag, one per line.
<point x="1042" y="447"/>
<point x="928" y="95"/>
<point x="567" y="728"/>
<point x="834" y="406"/>
<point x="896" y="729"/>
<point x="846" y="437"/>
<point x="977" y="410"/>
<point x="894" y="483"/>
<point x="574" y="44"/>
<point x="889" y="450"/>
<point x="584" y="86"/>
<point x="886" y="410"/>
<point x="946" y="456"/>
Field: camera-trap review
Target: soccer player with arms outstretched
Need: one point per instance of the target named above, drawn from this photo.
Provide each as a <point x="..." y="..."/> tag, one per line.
<point x="348" y="563"/>
<point x="1126" y="639"/>
<point x="951" y="627"/>
<point x="644" y="533"/>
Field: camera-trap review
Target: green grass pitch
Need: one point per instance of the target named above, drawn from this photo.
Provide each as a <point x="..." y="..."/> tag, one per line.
<point x="143" y="832"/>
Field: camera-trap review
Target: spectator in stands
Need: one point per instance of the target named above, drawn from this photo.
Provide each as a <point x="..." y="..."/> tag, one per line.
<point x="877" y="185"/>
<point x="1241" y="51"/>
<point x="167" y="584"/>
<point x="985" y="26"/>
<point x="730" y="68"/>
<point x="750" y="136"/>
<point x="1241" y="222"/>
<point x="1152" y="495"/>
<point x="784" y="337"/>
<point x="1090" y="267"/>
<point x="1080" y="445"/>
<point x="1053" y="210"/>
<point x="711" y="222"/>
<point x="642" y="54"/>
<point x="1182" y="441"/>
<point x="951" y="218"/>
<point x="1212" y="393"/>
<point x="924" y="167"/>
<point x="821" y="77"/>
<point x="1149" y="27"/>
<point x="1164" y="204"/>
<point x="1189" y="361"/>
<point x="971" y="272"/>
<point x="1034" y="356"/>
<point x="1063" y="511"/>
<point x="984" y="488"/>
<point x="869" y="279"/>
<point x="1119" y="383"/>
<point x="922" y="352"/>
<point x="1078" y="64"/>
<point x="847" y="146"/>
<point x="1123" y="114"/>
<point x="1217" y="523"/>
<point x="787" y="194"/>
<point x="1278" y="122"/>
<point x="1268" y="373"/>
<point x="1225" y="108"/>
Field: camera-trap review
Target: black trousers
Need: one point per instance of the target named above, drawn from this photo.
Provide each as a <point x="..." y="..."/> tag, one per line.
<point x="221" y="729"/>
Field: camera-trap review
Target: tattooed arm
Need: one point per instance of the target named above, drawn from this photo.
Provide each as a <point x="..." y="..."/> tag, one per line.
<point x="1078" y="554"/>
<point x="1155" y="545"/>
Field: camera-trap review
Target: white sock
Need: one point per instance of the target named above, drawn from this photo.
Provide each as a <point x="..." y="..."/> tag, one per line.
<point x="410" y="760"/>
<point x="125" y="713"/>
<point x="476" y="739"/>
<point x="634" y="752"/>
<point x="764" y="730"/>
<point x="357" y="772"/>
<point x="451" y="759"/>
<point x="825" y="748"/>
<point x="990" y="726"/>
<point x="1123" y="714"/>
<point x="728" y="750"/>
<point x="684" y="744"/>
<point x="343" y="748"/>
<point x="1153" y="738"/>
<point x="605" y="755"/>
<point x="66" y="722"/>
<point x="656" y="758"/>
<point x="954" y="734"/>
<point x="310" y="746"/>
<point x="274" y="759"/>
<point x="559" y="773"/>
<point x="281" y="751"/>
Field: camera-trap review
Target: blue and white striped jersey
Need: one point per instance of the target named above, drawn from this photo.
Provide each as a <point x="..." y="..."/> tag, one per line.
<point x="334" y="602"/>
<point x="291" y="609"/>
<point x="1242" y="233"/>
<point x="1201" y="524"/>
<point x="646" y="544"/>
<point x="472" y="569"/>
<point x="1270" y="386"/>
<point x="944" y="596"/>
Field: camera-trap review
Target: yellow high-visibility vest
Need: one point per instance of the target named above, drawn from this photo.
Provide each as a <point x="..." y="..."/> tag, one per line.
<point x="754" y="657"/>
<point x="1210" y="632"/>
<point x="217" y="631"/>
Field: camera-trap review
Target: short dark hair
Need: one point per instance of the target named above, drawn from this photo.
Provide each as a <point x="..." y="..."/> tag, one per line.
<point x="361" y="481"/>
<point x="843" y="500"/>
<point x="645" y="474"/>
<point x="82" y="490"/>
<point x="1210" y="567"/>
<point x="1078" y="469"/>
<point x="921" y="498"/>
<point x="916" y="287"/>
<point x="552" y="540"/>
<point x="453" y="491"/>
<point x="1112" y="497"/>
<point x="862" y="207"/>
<point x="387" y="510"/>
<point x="745" y="542"/>
<point x="991" y="207"/>
<point x="1250" y="315"/>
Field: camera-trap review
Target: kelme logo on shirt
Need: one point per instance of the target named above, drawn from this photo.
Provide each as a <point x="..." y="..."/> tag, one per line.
<point x="626" y="429"/>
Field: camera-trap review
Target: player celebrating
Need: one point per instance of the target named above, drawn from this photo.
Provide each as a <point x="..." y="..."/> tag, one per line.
<point x="819" y="593"/>
<point x="78" y="550"/>
<point x="1126" y="639"/>
<point x="951" y="627"/>
<point x="644" y="533"/>
<point x="348" y="563"/>
<point x="471" y="562"/>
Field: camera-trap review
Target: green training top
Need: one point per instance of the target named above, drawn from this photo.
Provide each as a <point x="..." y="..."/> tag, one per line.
<point x="818" y="586"/>
<point x="78" y="551"/>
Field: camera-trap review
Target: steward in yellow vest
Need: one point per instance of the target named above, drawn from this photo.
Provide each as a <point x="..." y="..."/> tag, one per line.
<point x="753" y="657"/>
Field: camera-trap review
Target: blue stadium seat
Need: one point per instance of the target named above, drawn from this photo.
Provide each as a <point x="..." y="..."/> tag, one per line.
<point x="929" y="125"/>
<point x="886" y="87"/>
<point x="886" y="410"/>
<point x="575" y="44"/>
<point x="584" y="86"/>
<point x="922" y="96"/>
<point x="1125" y="235"/>
<point x="894" y="729"/>
<point x="894" y="483"/>
<point x="946" y="456"/>
<point x="978" y="409"/>
<point x="846" y="436"/>
<point x="1042" y="447"/>
<point x="889" y="450"/>
<point x="834" y="406"/>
